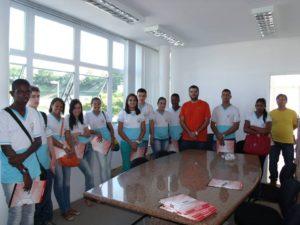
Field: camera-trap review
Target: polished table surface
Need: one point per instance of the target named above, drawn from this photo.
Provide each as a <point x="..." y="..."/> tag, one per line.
<point x="188" y="172"/>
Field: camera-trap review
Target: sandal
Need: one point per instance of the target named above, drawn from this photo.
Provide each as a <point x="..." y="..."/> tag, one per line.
<point x="74" y="212"/>
<point x="68" y="216"/>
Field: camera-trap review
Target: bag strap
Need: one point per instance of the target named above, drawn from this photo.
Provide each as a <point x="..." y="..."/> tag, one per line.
<point x="9" y="110"/>
<point x="13" y="115"/>
<point x="44" y="115"/>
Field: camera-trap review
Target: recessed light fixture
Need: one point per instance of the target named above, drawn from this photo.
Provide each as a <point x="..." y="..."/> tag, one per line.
<point x="265" y="20"/>
<point x="116" y="10"/>
<point x="159" y="32"/>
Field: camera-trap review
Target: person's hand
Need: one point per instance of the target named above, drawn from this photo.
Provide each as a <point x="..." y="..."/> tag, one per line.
<point x="112" y="146"/>
<point x="27" y="181"/>
<point x="17" y="159"/>
<point x="192" y="134"/>
<point x="134" y="146"/>
<point x="99" y="138"/>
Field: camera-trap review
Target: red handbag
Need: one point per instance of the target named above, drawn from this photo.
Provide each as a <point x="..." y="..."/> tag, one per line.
<point x="256" y="144"/>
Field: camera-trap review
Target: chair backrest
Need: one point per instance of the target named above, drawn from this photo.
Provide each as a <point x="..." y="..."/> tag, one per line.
<point x="163" y="154"/>
<point x="288" y="192"/>
<point x="239" y="147"/>
<point x="287" y="172"/>
<point x="138" y="161"/>
<point x="293" y="216"/>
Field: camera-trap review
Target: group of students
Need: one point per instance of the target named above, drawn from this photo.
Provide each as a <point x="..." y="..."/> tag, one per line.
<point x="139" y="126"/>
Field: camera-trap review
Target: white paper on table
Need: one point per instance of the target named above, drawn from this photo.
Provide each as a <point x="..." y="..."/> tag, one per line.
<point x="228" y="146"/>
<point x="234" y="185"/>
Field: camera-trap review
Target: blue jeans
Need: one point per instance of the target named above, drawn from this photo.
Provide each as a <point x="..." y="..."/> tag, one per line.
<point x="103" y="160"/>
<point x="21" y="215"/>
<point x="160" y="145"/>
<point x="87" y="172"/>
<point x="62" y="187"/>
<point x="185" y="145"/>
<point x="44" y="210"/>
<point x="288" y="156"/>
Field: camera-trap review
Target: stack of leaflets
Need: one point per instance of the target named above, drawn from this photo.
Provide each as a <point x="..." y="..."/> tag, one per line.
<point x="235" y="185"/>
<point x="188" y="207"/>
<point x="20" y="197"/>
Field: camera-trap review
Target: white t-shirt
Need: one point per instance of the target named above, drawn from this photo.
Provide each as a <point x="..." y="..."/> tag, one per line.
<point x="96" y="121"/>
<point x="12" y="134"/>
<point x="258" y="121"/>
<point x="162" y="120"/>
<point x="55" y="125"/>
<point x="175" y="121"/>
<point x="147" y="111"/>
<point x="225" y="117"/>
<point x="131" y="120"/>
<point x="78" y="128"/>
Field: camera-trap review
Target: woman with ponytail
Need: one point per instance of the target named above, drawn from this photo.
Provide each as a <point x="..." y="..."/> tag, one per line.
<point x="258" y="128"/>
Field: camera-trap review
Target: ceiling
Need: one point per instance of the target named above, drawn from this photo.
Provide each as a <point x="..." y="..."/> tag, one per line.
<point x="196" y="22"/>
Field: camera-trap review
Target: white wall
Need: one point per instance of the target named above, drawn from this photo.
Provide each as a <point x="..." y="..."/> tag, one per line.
<point x="245" y="68"/>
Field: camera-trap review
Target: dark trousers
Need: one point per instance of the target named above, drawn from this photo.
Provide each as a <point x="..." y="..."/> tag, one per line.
<point x="288" y="155"/>
<point x="193" y="145"/>
<point x="44" y="210"/>
<point x="262" y="159"/>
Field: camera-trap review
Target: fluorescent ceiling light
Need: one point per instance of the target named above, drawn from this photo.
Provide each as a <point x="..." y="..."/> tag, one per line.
<point x="159" y="32"/>
<point x="116" y="9"/>
<point x="265" y="20"/>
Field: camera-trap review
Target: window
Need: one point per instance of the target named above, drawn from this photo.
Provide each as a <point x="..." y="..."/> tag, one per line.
<point x="118" y="55"/>
<point x="118" y="94"/>
<point x="52" y="65"/>
<point x="54" y="80"/>
<point x="17" y="67"/>
<point x="94" y="49"/>
<point x="17" y="29"/>
<point x="53" y="39"/>
<point x="93" y="83"/>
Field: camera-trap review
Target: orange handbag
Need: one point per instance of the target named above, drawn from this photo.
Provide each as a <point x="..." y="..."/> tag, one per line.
<point x="68" y="160"/>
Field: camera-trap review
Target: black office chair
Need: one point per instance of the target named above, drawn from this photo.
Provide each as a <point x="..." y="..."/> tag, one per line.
<point x="239" y="147"/>
<point x="249" y="213"/>
<point x="293" y="217"/>
<point x="210" y="142"/>
<point x="138" y="161"/>
<point x="270" y="193"/>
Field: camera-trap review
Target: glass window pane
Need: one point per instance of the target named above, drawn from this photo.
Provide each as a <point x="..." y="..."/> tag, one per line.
<point x="17" y="29"/>
<point x="17" y="71"/>
<point x="93" y="83"/>
<point x="118" y="55"/>
<point x="17" y="59"/>
<point x="93" y="49"/>
<point x="118" y="95"/>
<point x="53" y="39"/>
<point x="52" y="65"/>
<point x="53" y="84"/>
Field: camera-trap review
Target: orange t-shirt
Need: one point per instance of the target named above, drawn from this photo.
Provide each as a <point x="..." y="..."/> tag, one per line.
<point x="194" y="114"/>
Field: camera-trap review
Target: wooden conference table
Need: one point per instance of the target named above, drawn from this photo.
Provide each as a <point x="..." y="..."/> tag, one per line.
<point x="140" y="189"/>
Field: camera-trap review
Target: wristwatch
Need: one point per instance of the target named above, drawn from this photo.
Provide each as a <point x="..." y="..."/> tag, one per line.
<point x="138" y="142"/>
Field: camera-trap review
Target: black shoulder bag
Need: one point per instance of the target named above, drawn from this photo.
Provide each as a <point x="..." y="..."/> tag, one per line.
<point x="43" y="175"/>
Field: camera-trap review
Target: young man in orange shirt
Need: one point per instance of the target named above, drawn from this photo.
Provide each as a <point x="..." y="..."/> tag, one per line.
<point x="194" y="119"/>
